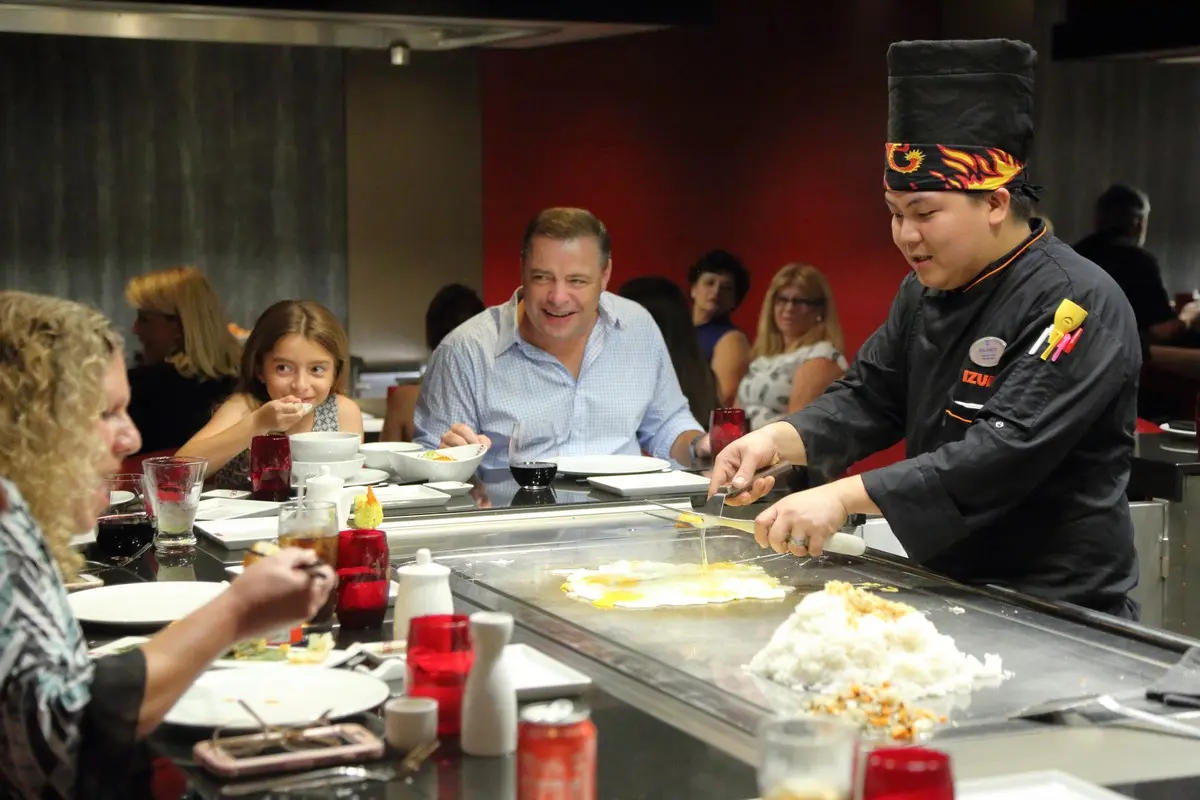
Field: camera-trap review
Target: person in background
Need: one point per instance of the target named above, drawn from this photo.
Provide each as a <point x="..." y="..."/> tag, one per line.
<point x="585" y="370"/>
<point x="295" y="369"/>
<point x="798" y="350"/>
<point x="666" y="303"/>
<point x="719" y="283"/>
<point x="450" y="307"/>
<point x="1118" y="247"/>
<point x="69" y="726"/>
<point x="189" y="358"/>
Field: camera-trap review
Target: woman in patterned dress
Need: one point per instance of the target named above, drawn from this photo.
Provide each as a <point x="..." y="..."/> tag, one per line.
<point x="68" y="726"/>
<point x="295" y="369"/>
<point x="798" y="352"/>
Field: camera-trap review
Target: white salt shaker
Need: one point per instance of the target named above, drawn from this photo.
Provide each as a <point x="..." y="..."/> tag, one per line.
<point x="489" y="709"/>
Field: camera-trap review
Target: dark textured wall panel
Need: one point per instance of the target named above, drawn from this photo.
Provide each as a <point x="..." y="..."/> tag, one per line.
<point x="118" y="157"/>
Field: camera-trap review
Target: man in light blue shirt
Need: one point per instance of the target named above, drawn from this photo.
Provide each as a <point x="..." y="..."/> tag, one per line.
<point x="579" y="370"/>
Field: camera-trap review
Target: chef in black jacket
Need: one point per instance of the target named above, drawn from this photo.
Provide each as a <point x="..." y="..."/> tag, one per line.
<point x="1008" y="362"/>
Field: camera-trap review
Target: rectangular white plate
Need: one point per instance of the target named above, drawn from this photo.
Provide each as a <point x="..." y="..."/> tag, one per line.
<point x="653" y="483"/>
<point x="226" y="494"/>
<point x="236" y="569"/>
<point x="240" y="532"/>
<point x="409" y="496"/>
<point x="223" y="508"/>
<point x="537" y="676"/>
<point x="1047" y="785"/>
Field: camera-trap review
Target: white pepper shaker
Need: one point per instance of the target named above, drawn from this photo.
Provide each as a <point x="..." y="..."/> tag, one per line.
<point x="489" y="709"/>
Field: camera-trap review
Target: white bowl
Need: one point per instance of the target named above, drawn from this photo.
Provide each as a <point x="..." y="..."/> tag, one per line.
<point x="377" y="453"/>
<point x="339" y="469"/>
<point x="409" y="466"/>
<point x="324" y="446"/>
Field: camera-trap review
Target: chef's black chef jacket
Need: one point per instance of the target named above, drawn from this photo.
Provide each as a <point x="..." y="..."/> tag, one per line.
<point x="1015" y="473"/>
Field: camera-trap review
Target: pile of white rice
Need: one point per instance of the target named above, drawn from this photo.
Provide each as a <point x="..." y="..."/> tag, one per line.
<point x="844" y="637"/>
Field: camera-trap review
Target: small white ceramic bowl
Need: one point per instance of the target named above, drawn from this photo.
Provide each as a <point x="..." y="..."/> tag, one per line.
<point x="339" y="469"/>
<point x="324" y="446"/>
<point x="410" y="466"/>
<point x="378" y="453"/>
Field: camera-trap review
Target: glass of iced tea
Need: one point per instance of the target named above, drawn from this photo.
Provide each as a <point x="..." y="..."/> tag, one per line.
<point x="807" y="758"/>
<point x="313" y="525"/>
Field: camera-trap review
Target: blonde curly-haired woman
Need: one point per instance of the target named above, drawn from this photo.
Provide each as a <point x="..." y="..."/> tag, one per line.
<point x="67" y="725"/>
<point x="189" y="358"/>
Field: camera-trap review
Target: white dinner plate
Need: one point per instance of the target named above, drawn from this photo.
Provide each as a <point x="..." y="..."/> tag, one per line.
<point x="281" y="695"/>
<point x="587" y="466"/>
<point x="120" y="497"/>
<point x="142" y="604"/>
<point x="651" y="484"/>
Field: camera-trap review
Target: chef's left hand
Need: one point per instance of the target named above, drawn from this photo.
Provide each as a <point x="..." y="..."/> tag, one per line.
<point x="802" y="522"/>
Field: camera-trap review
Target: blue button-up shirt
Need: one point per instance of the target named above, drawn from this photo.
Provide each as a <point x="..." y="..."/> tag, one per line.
<point x="625" y="400"/>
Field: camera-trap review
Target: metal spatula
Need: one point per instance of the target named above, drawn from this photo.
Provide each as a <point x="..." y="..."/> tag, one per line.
<point x="712" y="515"/>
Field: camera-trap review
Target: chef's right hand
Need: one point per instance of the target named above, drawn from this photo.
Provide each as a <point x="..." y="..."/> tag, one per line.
<point x="279" y="415"/>
<point x="737" y="464"/>
<point x="460" y="434"/>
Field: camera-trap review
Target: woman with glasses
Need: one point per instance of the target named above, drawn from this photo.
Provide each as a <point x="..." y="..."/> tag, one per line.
<point x="798" y="351"/>
<point x="189" y="359"/>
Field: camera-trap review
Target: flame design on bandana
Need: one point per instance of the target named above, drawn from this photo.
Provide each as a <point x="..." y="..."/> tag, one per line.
<point x="979" y="171"/>
<point x="912" y="158"/>
<point x="939" y="167"/>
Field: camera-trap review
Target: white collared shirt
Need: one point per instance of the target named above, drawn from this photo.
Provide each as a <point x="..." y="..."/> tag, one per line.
<point x="625" y="400"/>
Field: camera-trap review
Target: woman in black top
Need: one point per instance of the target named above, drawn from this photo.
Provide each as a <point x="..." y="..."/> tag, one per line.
<point x="189" y="358"/>
<point x="666" y="303"/>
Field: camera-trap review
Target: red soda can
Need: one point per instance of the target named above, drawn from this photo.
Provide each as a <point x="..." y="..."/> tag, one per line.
<point x="556" y="752"/>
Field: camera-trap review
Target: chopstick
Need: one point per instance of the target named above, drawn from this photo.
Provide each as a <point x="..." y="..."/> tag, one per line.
<point x="311" y="569"/>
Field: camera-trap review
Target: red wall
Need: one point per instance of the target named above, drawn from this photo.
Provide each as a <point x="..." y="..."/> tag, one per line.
<point x="761" y="134"/>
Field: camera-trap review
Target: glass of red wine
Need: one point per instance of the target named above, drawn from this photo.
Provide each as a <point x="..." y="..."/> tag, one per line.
<point x="726" y="425"/>
<point x="126" y="528"/>
<point x="440" y="654"/>
<point x="271" y="467"/>
<point x="529" y="446"/>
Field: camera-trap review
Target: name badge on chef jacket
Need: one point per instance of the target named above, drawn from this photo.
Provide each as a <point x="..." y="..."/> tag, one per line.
<point x="986" y="352"/>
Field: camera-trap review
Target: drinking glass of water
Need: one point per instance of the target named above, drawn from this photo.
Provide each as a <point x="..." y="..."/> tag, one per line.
<point x="807" y="758"/>
<point x="529" y="446"/>
<point x="173" y="484"/>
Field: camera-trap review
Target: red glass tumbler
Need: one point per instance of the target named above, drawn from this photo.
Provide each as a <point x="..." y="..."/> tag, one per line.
<point x="725" y="426"/>
<point x="908" y="773"/>
<point x="439" y="657"/>
<point x="363" y="579"/>
<point x="271" y="467"/>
